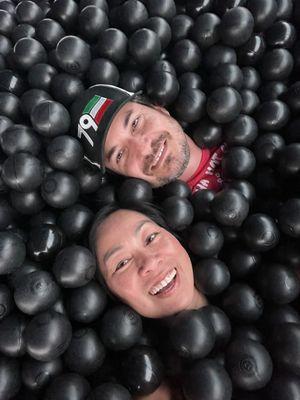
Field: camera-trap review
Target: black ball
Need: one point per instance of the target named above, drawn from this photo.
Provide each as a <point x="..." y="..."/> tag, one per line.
<point x="242" y="303"/>
<point x="212" y="276"/>
<point x="102" y="70"/>
<point x="252" y="51"/>
<point x="12" y="252"/>
<point x="65" y="12"/>
<point x="281" y="34"/>
<point x="278" y="283"/>
<point x="37" y="374"/>
<point x="121" y="328"/>
<point x="112" y="44"/>
<point x="60" y="189"/>
<point x="74" y="266"/>
<point x="28" y="12"/>
<point x="224" y="104"/>
<point x="230" y="207"/>
<point x="161" y="8"/>
<point x="20" y="138"/>
<point x="241" y="132"/>
<point x="86" y="303"/>
<point x="206" y="30"/>
<point x="289" y="161"/>
<point x="49" y="32"/>
<point x="85" y="353"/>
<point x="268" y="147"/>
<point x="132" y="81"/>
<point x="146" y="375"/>
<point x="64" y="153"/>
<point x="226" y="75"/>
<point x="75" y="221"/>
<point x="41" y="75"/>
<point x="73" y="54"/>
<point x="178" y="212"/>
<point x="185" y="55"/>
<point x="207" y="380"/>
<point x="28" y="52"/>
<point x="264" y="13"/>
<point x="66" y="87"/>
<point x="161" y="27"/>
<point x="10" y="106"/>
<point x="50" y="118"/>
<point x="242" y="261"/>
<point x="12" y="82"/>
<point x="36" y="293"/>
<point x="276" y="65"/>
<point x="10" y="377"/>
<point x="6" y="301"/>
<point x="221" y="325"/>
<point x="144" y="46"/>
<point x="181" y="26"/>
<point x="12" y="340"/>
<point x="68" y="386"/>
<point x="31" y="98"/>
<point x="249" y="364"/>
<point x="236" y="26"/>
<point x="47" y="336"/>
<point x="291" y="97"/>
<point x="110" y="391"/>
<point x="135" y="190"/>
<point x="288" y="219"/>
<point x="162" y="87"/>
<point x="133" y="15"/>
<point x="92" y="22"/>
<point x="207" y="133"/>
<point x="190" y="105"/>
<point x="238" y="162"/>
<point x="44" y="241"/>
<point x="252" y="78"/>
<point x="219" y="54"/>
<point x="23" y="172"/>
<point x="206" y="239"/>
<point x="284" y="342"/>
<point x="284" y="385"/>
<point x="260" y="232"/>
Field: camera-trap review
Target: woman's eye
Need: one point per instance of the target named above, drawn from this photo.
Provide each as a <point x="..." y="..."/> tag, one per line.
<point x="122" y="264"/>
<point x="151" y="237"/>
<point x="135" y="122"/>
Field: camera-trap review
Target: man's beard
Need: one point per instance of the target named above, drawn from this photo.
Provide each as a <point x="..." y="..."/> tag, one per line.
<point x="178" y="166"/>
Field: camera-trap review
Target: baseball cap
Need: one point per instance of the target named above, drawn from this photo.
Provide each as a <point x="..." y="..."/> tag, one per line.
<point x="92" y="114"/>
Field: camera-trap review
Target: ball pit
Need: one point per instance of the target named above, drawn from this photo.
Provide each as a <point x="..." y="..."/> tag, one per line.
<point x="228" y="71"/>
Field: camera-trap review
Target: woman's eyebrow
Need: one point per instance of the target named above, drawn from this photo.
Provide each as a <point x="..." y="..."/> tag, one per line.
<point x="140" y="225"/>
<point x="110" y="252"/>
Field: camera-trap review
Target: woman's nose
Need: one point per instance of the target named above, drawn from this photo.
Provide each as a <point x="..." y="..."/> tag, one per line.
<point x="147" y="264"/>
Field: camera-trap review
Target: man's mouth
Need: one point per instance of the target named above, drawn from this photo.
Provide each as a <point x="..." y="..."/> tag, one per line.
<point x="159" y="155"/>
<point x="165" y="285"/>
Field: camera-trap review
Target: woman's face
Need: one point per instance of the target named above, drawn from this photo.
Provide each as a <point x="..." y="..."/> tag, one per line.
<point x="145" y="266"/>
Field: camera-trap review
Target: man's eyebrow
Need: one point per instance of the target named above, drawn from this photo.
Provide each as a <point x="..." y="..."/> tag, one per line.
<point x="127" y="118"/>
<point x="110" y="252"/>
<point x="110" y="153"/>
<point x="140" y="225"/>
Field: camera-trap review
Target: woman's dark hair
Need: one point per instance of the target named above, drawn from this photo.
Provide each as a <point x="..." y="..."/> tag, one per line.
<point x="147" y="209"/>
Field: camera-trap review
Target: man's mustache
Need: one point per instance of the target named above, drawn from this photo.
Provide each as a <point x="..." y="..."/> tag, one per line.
<point x="149" y="159"/>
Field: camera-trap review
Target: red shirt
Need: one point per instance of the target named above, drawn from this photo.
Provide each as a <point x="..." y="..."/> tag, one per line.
<point x="208" y="174"/>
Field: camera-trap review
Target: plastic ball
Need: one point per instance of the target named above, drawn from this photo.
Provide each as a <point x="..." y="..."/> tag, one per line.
<point x="85" y="353"/>
<point x="120" y="328"/>
<point x="264" y="13"/>
<point x="239" y="162"/>
<point x="185" y="55"/>
<point x="28" y="52"/>
<point x="86" y="303"/>
<point x="60" y="189"/>
<point x="28" y="12"/>
<point x="68" y="386"/>
<point x="9" y="106"/>
<point x="12" y="82"/>
<point x="44" y="241"/>
<point x="65" y="12"/>
<point x="219" y="54"/>
<point x="241" y="132"/>
<point x="109" y="391"/>
<point x="224" y="104"/>
<point x="102" y="70"/>
<point x="144" y="46"/>
<point x="20" y="138"/>
<point x="161" y="8"/>
<point x="161" y="27"/>
<point x="37" y="293"/>
<point x="252" y="51"/>
<point x="241" y="302"/>
<point x="260" y="232"/>
<point x="12" y="339"/>
<point x="47" y="336"/>
<point x="92" y="22"/>
<point x="66" y="87"/>
<point x="207" y="380"/>
<point x="162" y="87"/>
<point x="206" y="239"/>
<point x="31" y="98"/>
<point x="74" y="266"/>
<point x="241" y="261"/>
<point x="212" y="276"/>
<point x="146" y="376"/>
<point x="75" y="221"/>
<point x="6" y="301"/>
<point x="181" y="26"/>
<point x="205" y="31"/>
<point x="276" y="65"/>
<point x="112" y="44"/>
<point x="249" y="364"/>
<point x="49" y="32"/>
<point x="37" y="374"/>
<point x="10" y="377"/>
<point x="12" y="252"/>
<point x="236" y="26"/>
<point x="73" y="54"/>
<point x="50" y="118"/>
<point x="207" y="133"/>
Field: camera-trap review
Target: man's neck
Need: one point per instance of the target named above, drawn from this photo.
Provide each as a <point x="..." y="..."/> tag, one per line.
<point x="194" y="161"/>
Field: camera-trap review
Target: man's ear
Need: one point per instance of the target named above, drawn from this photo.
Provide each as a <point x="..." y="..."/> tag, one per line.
<point x="162" y="110"/>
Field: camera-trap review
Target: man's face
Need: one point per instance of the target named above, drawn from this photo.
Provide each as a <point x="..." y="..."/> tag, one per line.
<point x="147" y="143"/>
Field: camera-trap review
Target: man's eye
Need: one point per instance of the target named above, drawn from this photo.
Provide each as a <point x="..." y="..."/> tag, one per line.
<point x="151" y="237"/>
<point x="122" y="264"/>
<point x="135" y="123"/>
<point x="119" y="156"/>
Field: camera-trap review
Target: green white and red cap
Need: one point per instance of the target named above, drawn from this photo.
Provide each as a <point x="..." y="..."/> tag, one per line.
<point x="92" y="114"/>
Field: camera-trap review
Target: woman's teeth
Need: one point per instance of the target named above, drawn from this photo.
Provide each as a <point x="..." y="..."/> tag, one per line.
<point x="158" y="155"/>
<point x="161" y="285"/>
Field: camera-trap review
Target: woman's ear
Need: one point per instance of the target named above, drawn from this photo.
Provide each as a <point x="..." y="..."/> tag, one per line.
<point x="162" y="110"/>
